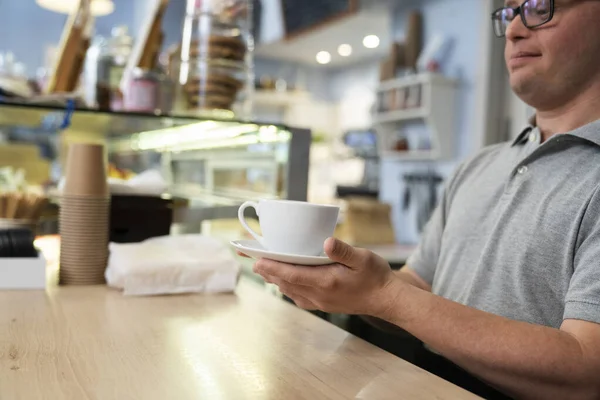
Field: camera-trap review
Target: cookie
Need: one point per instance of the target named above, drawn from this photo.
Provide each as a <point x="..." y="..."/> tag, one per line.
<point x="218" y="79"/>
<point x="211" y="88"/>
<point x="200" y="98"/>
<point x="212" y="101"/>
<point x="219" y="47"/>
<point x="227" y="41"/>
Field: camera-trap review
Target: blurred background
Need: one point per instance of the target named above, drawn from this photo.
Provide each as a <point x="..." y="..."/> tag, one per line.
<point x="218" y="95"/>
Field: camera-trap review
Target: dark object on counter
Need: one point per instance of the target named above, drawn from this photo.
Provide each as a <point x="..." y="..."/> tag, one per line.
<point x="17" y="243"/>
<point x="354" y="191"/>
<point x="137" y="218"/>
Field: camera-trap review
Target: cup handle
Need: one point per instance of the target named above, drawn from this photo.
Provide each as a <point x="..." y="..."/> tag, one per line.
<point x="245" y="224"/>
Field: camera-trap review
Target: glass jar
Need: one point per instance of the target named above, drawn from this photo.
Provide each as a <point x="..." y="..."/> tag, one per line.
<point x="214" y="64"/>
<point x="105" y="65"/>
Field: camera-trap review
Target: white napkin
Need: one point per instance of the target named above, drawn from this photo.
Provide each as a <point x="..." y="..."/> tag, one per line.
<point x="150" y="183"/>
<point x="172" y="264"/>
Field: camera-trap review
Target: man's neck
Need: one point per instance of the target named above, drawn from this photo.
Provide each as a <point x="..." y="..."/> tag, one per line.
<point x="578" y="112"/>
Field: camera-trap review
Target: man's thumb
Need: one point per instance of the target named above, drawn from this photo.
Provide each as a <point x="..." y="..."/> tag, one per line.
<point x="341" y="252"/>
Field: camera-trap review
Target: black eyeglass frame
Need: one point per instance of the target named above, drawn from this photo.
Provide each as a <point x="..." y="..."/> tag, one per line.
<point x="518" y="11"/>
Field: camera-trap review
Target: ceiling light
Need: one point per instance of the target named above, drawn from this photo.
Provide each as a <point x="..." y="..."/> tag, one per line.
<point x="371" y="41"/>
<point x="99" y="8"/>
<point x="323" y="57"/>
<point x="344" y="50"/>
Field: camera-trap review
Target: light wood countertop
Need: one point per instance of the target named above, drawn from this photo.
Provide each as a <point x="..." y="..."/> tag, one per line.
<point x="94" y="343"/>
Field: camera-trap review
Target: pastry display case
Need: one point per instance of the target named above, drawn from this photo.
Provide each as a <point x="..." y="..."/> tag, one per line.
<point x="217" y="165"/>
<point x="212" y="166"/>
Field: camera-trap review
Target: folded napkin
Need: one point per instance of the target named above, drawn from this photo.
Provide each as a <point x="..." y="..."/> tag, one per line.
<point x="172" y="264"/>
<point x="148" y="183"/>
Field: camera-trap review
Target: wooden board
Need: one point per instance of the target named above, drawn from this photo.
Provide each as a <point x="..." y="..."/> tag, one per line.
<point x="71" y="51"/>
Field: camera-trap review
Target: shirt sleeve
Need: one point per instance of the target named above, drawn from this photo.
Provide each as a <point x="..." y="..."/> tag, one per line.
<point x="425" y="259"/>
<point x="583" y="296"/>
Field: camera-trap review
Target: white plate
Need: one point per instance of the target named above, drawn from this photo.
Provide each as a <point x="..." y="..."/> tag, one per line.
<point x="255" y="250"/>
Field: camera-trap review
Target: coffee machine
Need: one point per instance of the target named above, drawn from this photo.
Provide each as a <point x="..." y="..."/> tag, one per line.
<point x="363" y="144"/>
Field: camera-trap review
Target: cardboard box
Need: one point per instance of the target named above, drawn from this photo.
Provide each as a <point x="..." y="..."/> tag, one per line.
<point x="366" y="222"/>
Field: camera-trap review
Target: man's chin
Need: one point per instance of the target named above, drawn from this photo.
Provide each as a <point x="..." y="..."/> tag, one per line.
<point x="522" y="82"/>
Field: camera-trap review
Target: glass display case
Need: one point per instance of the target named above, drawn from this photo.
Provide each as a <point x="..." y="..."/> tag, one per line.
<point x="213" y="165"/>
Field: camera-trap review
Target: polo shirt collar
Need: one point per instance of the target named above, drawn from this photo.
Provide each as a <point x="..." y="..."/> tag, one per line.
<point x="589" y="132"/>
<point x="524" y="135"/>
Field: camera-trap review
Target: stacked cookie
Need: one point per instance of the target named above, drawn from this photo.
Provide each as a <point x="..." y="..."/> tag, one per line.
<point x="216" y="72"/>
<point x="221" y="47"/>
<point x="215" y="90"/>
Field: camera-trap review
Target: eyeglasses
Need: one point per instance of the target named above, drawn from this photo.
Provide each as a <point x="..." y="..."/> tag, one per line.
<point x="533" y="13"/>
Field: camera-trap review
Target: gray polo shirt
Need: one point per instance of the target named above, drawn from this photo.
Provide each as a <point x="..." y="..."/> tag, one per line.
<point x="517" y="232"/>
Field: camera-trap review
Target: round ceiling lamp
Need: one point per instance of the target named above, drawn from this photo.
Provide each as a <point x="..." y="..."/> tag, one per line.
<point x="99" y="8"/>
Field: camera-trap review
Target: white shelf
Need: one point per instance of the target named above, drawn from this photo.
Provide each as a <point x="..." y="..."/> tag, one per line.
<point x="400" y="115"/>
<point x="437" y="110"/>
<point x="418" y="79"/>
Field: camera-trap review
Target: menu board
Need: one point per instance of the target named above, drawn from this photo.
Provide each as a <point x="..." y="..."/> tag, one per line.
<point x="300" y="16"/>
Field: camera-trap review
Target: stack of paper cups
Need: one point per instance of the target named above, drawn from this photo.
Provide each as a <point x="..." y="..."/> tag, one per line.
<point x="84" y="217"/>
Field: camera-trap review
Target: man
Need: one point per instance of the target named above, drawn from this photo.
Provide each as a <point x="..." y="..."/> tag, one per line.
<point x="506" y="280"/>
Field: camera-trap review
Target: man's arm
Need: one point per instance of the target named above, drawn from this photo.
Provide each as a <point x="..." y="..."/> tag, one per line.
<point x="409" y="276"/>
<point x="412" y="278"/>
<point x="524" y="360"/>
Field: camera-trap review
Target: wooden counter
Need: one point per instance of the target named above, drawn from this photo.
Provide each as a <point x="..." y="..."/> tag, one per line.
<point x="94" y="343"/>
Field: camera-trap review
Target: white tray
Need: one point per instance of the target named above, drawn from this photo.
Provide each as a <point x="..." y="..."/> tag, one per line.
<point x="23" y="273"/>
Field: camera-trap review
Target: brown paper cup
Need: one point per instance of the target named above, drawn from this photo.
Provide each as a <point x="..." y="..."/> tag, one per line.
<point x="86" y="171"/>
<point x="66" y="280"/>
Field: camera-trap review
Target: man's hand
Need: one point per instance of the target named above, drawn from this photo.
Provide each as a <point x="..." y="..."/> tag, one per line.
<point x="359" y="283"/>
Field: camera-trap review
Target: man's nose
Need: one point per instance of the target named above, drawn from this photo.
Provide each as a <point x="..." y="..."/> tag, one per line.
<point x="517" y="30"/>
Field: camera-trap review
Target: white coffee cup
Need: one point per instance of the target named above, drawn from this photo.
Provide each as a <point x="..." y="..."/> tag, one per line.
<point x="292" y="227"/>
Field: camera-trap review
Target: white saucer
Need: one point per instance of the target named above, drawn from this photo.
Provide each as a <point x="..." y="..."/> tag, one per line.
<point x="255" y="250"/>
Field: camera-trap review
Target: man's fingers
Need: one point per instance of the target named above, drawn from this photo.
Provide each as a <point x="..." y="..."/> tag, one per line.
<point x="239" y="253"/>
<point x="299" y="294"/>
<point x="304" y="303"/>
<point x="300" y="300"/>
<point x="345" y="254"/>
<point x="295" y="274"/>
